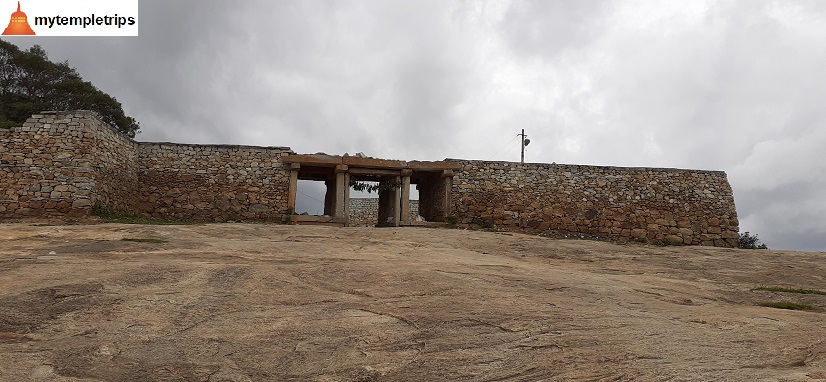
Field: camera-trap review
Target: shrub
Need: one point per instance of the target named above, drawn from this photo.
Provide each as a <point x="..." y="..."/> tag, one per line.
<point x="748" y="241"/>
<point x="488" y="224"/>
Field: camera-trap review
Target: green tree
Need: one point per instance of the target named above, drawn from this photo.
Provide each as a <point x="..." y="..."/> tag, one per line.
<point x="30" y="83"/>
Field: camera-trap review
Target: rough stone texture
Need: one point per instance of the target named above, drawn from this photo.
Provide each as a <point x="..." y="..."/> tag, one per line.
<point x="432" y="193"/>
<point x="652" y="204"/>
<point x="212" y="182"/>
<point x="61" y="163"/>
<point x="65" y="163"/>
<point x="255" y="302"/>
<point x="364" y="212"/>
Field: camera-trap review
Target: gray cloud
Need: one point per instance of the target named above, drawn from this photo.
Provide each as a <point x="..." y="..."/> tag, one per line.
<point x="549" y="28"/>
<point x="723" y="85"/>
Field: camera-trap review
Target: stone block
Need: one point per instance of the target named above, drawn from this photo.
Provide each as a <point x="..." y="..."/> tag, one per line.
<point x="673" y="239"/>
<point x="731" y="235"/>
<point x="258" y="208"/>
<point x="80" y="203"/>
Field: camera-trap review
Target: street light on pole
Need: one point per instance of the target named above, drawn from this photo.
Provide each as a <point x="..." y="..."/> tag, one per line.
<point x="525" y="142"/>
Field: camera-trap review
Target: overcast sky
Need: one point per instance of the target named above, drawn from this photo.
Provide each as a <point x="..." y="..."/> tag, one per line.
<point x="737" y="86"/>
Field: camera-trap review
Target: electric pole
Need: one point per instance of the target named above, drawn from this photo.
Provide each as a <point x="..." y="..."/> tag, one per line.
<point x="525" y="142"/>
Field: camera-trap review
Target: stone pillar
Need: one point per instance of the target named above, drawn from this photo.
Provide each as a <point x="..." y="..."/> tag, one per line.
<point x="330" y="197"/>
<point x="447" y="184"/>
<point x="347" y="196"/>
<point x="405" y="198"/>
<point x="396" y="200"/>
<point x="340" y="194"/>
<point x="293" y="185"/>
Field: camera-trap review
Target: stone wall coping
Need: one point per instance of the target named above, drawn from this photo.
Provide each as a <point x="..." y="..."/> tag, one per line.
<point x="430" y="165"/>
<point x="220" y="146"/>
<point x="90" y="114"/>
<point x="122" y="135"/>
<point x="585" y="166"/>
<point x="332" y="160"/>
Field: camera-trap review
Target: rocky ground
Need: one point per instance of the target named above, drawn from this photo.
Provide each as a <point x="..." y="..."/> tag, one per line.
<point x="254" y="302"/>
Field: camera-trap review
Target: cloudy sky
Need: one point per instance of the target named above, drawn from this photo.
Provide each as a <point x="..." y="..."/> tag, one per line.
<point x="737" y="86"/>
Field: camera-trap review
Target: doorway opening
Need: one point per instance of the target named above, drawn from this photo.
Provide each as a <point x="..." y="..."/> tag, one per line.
<point x="309" y="198"/>
<point x="433" y="191"/>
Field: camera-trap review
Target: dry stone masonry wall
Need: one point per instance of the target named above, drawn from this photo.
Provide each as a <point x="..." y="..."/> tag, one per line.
<point x="114" y="160"/>
<point x="656" y="205"/>
<point x="60" y="163"/>
<point x="364" y="212"/>
<point x="64" y="163"/>
<point x="215" y="183"/>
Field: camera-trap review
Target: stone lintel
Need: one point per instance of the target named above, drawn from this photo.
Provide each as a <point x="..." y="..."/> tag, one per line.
<point x="373" y="163"/>
<point x="315" y="159"/>
<point x="373" y="171"/>
<point x="324" y="160"/>
<point x="433" y="166"/>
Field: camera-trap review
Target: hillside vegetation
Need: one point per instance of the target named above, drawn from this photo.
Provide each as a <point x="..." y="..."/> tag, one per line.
<point x="31" y="83"/>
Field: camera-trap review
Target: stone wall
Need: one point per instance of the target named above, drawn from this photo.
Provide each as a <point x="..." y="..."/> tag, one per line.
<point x="652" y="204"/>
<point x="114" y="158"/>
<point x="364" y="212"/>
<point x="212" y="182"/>
<point x="64" y="163"/>
<point x="61" y="163"/>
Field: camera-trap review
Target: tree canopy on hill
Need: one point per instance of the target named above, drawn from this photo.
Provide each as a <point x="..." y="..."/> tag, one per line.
<point x="30" y="83"/>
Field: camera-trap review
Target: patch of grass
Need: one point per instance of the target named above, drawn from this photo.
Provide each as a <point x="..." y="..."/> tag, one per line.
<point x="788" y="305"/>
<point x="145" y="240"/>
<point x="489" y="225"/>
<point x="110" y="216"/>
<point x="790" y="290"/>
<point x="669" y="243"/>
<point x="288" y="216"/>
<point x="129" y="219"/>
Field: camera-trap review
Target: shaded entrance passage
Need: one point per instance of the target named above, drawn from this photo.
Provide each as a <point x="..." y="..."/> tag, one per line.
<point x="433" y="180"/>
<point x="434" y="193"/>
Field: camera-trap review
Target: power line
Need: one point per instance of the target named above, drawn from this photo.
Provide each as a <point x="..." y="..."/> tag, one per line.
<point x="510" y="148"/>
<point x="503" y="147"/>
<point x="299" y="191"/>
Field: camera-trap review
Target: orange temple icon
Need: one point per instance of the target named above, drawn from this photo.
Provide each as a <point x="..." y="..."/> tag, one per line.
<point x="19" y="24"/>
